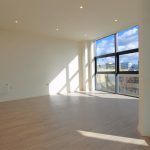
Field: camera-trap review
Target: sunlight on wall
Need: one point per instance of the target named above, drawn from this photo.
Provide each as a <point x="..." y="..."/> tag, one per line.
<point x="73" y="67"/>
<point x="86" y="56"/>
<point x="113" y="138"/>
<point x="58" y="84"/>
<point x="86" y="78"/>
<point x="86" y="67"/>
<point x="74" y="83"/>
<point x="67" y="80"/>
<point x="74" y="74"/>
<point x="92" y="61"/>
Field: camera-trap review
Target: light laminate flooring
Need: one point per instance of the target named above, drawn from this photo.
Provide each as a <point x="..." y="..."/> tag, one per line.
<point x="79" y="121"/>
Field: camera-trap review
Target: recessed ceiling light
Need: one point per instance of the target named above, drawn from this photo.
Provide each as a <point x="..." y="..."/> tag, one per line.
<point x="116" y="20"/>
<point x="81" y="7"/>
<point x="85" y="35"/>
<point x="16" y="21"/>
<point x="57" y="28"/>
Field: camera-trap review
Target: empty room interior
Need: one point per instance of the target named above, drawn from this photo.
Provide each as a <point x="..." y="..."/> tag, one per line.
<point x="74" y="74"/>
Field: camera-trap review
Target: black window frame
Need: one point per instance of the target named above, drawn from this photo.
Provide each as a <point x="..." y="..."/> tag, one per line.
<point x="117" y="71"/>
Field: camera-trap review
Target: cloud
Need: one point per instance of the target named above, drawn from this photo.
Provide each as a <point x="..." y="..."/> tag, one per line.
<point x="132" y="58"/>
<point x="128" y="39"/>
<point x="129" y="32"/>
<point x="105" y="46"/>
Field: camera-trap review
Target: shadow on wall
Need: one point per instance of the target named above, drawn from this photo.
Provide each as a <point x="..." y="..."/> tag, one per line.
<point x="67" y="80"/>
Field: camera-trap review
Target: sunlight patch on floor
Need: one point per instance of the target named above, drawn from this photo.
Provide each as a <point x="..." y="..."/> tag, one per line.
<point x="106" y="95"/>
<point x="113" y="138"/>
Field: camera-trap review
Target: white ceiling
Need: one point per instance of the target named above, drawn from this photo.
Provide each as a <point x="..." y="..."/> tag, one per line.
<point x="95" y="20"/>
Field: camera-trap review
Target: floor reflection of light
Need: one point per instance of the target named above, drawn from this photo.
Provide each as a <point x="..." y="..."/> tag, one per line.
<point x="109" y="96"/>
<point x="113" y="138"/>
<point x="74" y="94"/>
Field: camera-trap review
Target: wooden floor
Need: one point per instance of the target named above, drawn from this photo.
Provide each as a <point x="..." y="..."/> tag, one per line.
<point x="58" y="123"/>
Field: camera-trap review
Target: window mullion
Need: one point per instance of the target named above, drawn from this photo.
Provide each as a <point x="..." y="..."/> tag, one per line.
<point x="116" y="54"/>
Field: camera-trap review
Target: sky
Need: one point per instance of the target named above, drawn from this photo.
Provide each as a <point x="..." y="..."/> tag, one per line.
<point x="105" y="45"/>
<point x="127" y="39"/>
<point x="132" y="58"/>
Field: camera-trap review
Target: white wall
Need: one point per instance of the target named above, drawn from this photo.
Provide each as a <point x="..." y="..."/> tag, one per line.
<point x="144" y="104"/>
<point x="29" y="62"/>
<point x="88" y="66"/>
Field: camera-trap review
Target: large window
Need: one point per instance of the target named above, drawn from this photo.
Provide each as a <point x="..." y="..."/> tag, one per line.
<point x="117" y="63"/>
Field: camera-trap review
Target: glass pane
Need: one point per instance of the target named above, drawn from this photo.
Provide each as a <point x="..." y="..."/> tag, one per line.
<point x="105" y="82"/>
<point x="128" y="39"/>
<point x="105" y="45"/>
<point x="106" y="64"/>
<point x="128" y="84"/>
<point x="129" y="62"/>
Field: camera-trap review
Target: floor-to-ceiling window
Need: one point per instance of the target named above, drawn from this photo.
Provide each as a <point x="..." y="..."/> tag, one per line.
<point x="117" y="63"/>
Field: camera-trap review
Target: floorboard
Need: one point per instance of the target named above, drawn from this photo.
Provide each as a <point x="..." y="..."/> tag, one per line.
<point x="78" y="121"/>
